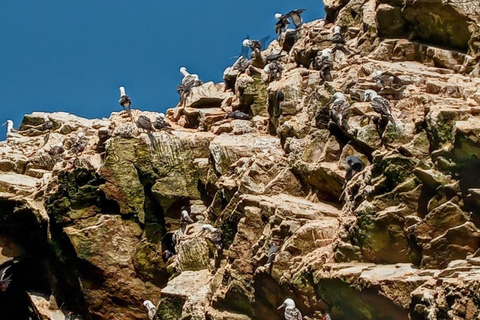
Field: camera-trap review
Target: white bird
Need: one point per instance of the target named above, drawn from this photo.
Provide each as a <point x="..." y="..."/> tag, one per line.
<point x="151" y="309"/>
<point x="189" y="81"/>
<point x="9" y="124"/>
<point x="339" y="109"/>
<point x="124" y="101"/>
<point x="291" y="312"/>
<point x="380" y="105"/>
<point x="216" y="235"/>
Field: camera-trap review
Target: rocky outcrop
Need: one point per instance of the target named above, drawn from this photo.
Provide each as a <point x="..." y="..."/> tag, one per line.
<point x="400" y="240"/>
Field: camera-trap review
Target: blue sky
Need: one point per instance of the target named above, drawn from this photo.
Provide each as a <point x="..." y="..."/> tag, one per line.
<point x="72" y="56"/>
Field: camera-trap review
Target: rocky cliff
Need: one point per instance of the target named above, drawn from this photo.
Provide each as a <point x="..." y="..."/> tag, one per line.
<point x="400" y="240"/>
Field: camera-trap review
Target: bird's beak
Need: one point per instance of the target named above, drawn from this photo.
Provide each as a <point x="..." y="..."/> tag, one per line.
<point x="281" y="306"/>
<point x="4" y="124"/>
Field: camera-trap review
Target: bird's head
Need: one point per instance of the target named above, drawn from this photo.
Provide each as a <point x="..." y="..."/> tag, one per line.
<point x="184" y="213"/>
<point x="8" y="123"/>
<point x="161" y="115"/>
<point x="288" y="303"/>
<point x="278" y="16"/>
<point x="338" y="96"/>
<point x="378" y="73"/>
<point x="326" y="52"/>
<point x="184" y="71"/>
<point x="369" y="95"/>
<point x="122" y="91"/>
<point x="148" y="304"/>
<point x="336" y="30"/>
<point x="246" y="42"/>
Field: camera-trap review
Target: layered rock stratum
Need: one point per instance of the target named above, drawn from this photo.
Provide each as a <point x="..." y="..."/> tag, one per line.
<point x="399" y="241"/>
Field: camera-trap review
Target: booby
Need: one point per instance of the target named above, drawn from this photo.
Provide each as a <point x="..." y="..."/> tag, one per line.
<point x="337" y="36"/>
<point x="160" y="123"/>
<point x="291" y="312"/>
<point x="380" y="105"/>
<point x="215" y="235"/>
<point x="124" y="101"/>
<point x="237" y="114"/>
<point x="185" y="218"/>
<point x="241" y="64"/>
<point x="274" y="70"/>
<point x="47" y="123"/>
<point x="324" y="64"/>
<point x="188" y="81"/>
<point x="79" y="144"/>
<point x="9" y="124"/>
<point x="339" y="109"/>
<point x="387" y="79"/>
<point x="355" y="165"/>
<point x="4" y="280"/>
<point x="255" y="45"/>
<point x="143" y="122"/>
<point x="272" y="252"/>
<point x="281" y="25"/>
<point x="151" y="309"/>
<point x="57" y="150"/>
<point x="296" y="17"/>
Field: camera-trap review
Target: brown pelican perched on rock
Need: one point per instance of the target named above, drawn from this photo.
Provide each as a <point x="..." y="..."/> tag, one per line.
<point x="380" y="105"/>
<point x="143" y="122"/>
<point x="124" y="101"/>
<point x="274" y="67"/>
<point x="151" y="309"/>
<point x="296" y="17"/>
<point x="387" y="79"/>
<point x="337" y="36"/>
<point x="188" y="81"/>
<point x="255" y="45"/>
<point x="79" y="145"/>
<point x="291" y="312"/>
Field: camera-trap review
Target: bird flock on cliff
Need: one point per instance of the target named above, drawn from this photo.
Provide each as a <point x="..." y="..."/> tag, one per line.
<point x="250" y="60"/>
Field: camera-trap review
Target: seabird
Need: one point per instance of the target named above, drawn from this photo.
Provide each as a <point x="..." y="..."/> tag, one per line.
<point x="167" y="254"/>
<point x="339" y="109"/>
<point x="241" y="64"/>
<point x="215" y="235"/>
<point x="124" y="101"/>
<point x="296" y="17"/>
<point x="79" y="144"/>
<point x="281" y="25"/>
<point x="274" y="70"/>
<point x="355" y="165"/>
<point x="57" y="150"/>
<point x="237" y="114"/>
<point x="160" y="123"/>
<point x="337" y="36"/>
<point x="272" y="252"/>
<point x="291" y="312"/>
<point x="188" y="81"/>
<point x="380" y="105"/>
<point x="185" y="220"/>
<point x="143" y="122"/>
<point x="255" y="45"/>
<point x="4" y="280"/>
<point x="324" y="64"/>
<point x="151" y="309"/>
<point x="9" y="124"/>
<point x="47" y="123"/>
<point x="387" y="79"/>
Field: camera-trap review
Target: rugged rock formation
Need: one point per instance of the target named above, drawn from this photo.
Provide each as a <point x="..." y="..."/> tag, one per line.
<point x="400" y="240"/>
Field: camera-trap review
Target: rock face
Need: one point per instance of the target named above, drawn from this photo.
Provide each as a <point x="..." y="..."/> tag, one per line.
<point x="400" y="240"/>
